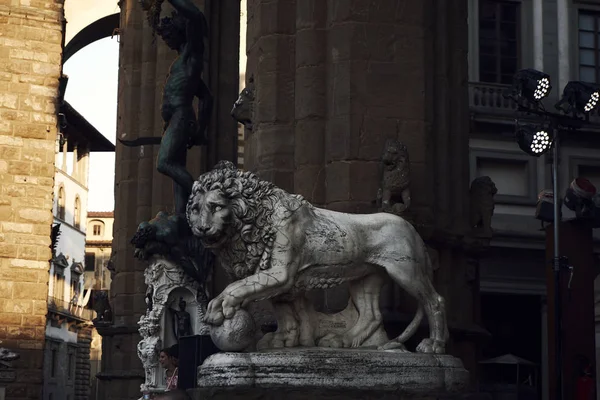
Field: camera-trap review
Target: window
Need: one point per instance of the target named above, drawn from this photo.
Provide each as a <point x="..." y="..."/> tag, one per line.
<point x="61" y="203"/>
<point x="75" y="290"/>
<point x="589" y="58"/>
<point x="90" y="261"/>
<point x="59" y="285"/>
<point x="498" y="40"/>
<point x="513" y="172"/>
<point x="591" y="173"/>
<point x="54" y="363"/>
<point x="77" y="212"/>
<point x="97" y="229"/>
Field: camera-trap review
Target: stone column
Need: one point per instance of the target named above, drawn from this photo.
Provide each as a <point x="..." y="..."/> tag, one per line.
<point x="65" y="151"/>
<point x="75" y="162"/>
<point x="334" y="81"/>
<point x="140" y="191"/>
<point x="271" y="60"/>
<point x="30" y="56"/>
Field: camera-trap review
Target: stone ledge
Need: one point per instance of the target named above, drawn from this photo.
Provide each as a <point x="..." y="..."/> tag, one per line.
<point x="329" y="373"/>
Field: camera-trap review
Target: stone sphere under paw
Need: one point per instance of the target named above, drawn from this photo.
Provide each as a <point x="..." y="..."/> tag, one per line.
<point x="234" y="334"/>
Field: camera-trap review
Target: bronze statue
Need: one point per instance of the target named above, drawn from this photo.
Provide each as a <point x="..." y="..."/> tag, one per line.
<point x="182" y="325"/>
<point x="184" y="31"/>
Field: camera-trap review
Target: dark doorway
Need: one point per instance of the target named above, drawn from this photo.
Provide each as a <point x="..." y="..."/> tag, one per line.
<point x="515" y="323"/>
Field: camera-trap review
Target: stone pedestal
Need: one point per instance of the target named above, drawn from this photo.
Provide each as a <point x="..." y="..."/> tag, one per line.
<point x="330" y="374"/>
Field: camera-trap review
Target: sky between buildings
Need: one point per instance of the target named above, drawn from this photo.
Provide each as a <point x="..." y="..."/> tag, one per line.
<point x="93" y="85"/>
<point x="92" y="90"/>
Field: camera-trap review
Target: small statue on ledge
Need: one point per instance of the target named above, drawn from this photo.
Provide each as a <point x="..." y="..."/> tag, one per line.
<point x="102" y="307"/>
<point x="182" y="325"/>
<point x="184" y="32"/>
<point x="482" y="194"/>
<point x="394" y="193"/>
<point x="244" y="105"/>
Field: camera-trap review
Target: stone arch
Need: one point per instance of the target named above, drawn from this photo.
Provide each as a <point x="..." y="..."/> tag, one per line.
<point x="100" y="29"/>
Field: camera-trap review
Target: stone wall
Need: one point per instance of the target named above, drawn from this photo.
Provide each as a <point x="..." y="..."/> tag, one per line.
<point x="83" y="367"/>
<point x="334" y="80"/>
<point x="30" y="59"/>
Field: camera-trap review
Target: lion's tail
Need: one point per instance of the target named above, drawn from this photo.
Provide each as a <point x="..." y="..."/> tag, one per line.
<point x="412" y="327"/>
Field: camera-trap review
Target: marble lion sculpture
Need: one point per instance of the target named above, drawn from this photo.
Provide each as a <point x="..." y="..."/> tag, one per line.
<point x="275" y="245"/>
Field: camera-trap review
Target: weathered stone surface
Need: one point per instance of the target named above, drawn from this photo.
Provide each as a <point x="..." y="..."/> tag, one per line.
<point x="30" y="39"/>
<point x="389" y="69"/>
<point x="327" y="373"/>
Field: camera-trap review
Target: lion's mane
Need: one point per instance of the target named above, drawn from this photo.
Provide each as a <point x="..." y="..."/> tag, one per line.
<point x="253" y="203"/>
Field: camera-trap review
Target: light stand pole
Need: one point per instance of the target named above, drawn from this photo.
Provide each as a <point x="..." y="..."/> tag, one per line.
<point x="557" y="266"/>
<point x="578" y="99"/>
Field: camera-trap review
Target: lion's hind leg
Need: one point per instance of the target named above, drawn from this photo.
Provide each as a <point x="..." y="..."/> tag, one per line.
<point x="365" y="295"/>
<point x="414" y="279"/>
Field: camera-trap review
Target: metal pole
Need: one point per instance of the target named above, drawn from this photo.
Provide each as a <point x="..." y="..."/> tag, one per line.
<point x="556" y="264"/>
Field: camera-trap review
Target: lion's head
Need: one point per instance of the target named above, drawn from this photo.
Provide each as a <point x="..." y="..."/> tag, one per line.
<point x="231" y="212"/>
<point x="243" y="106"/>
<point x="395" y="155"/>
<point x="483" y="185"/>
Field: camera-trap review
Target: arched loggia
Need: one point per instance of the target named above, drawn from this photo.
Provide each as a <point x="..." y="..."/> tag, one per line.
<point x="100" y="29"/>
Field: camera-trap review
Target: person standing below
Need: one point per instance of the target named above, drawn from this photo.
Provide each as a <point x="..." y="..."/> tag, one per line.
<point x="169" y="360"/>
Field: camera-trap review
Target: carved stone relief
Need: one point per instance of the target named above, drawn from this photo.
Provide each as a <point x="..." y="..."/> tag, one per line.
<point x="167" y="285"/>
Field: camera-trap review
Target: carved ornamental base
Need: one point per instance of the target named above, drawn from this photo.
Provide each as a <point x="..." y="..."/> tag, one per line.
<point x="312" y="373"/>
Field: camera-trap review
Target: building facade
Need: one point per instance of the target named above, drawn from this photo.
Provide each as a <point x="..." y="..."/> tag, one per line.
<point x="558" y="37"/>
<point x="98" y="250"/>
<point x="69" y="329"/>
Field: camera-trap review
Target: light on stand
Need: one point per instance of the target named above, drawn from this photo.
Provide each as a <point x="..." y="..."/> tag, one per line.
<point x="531" y="85"/>
<point x="579" y="98"/>
<point x="533" y="140"/>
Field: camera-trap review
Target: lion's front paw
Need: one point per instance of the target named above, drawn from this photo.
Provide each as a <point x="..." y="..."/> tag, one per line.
<point x="214" y="312"/>
<point x="230" y="305"/>
<point x="430" y="346"/>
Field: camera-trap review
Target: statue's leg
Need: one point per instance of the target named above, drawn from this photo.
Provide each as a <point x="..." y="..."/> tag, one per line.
<point x="413" y="279"/>
<point x="386" y="198"/>
<point x="406" y="197"/>
<point x="172" y="155"/>
<point x="287" y="331"/>
<point x="365" y="294"/>
<point x="302" y="306"/>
